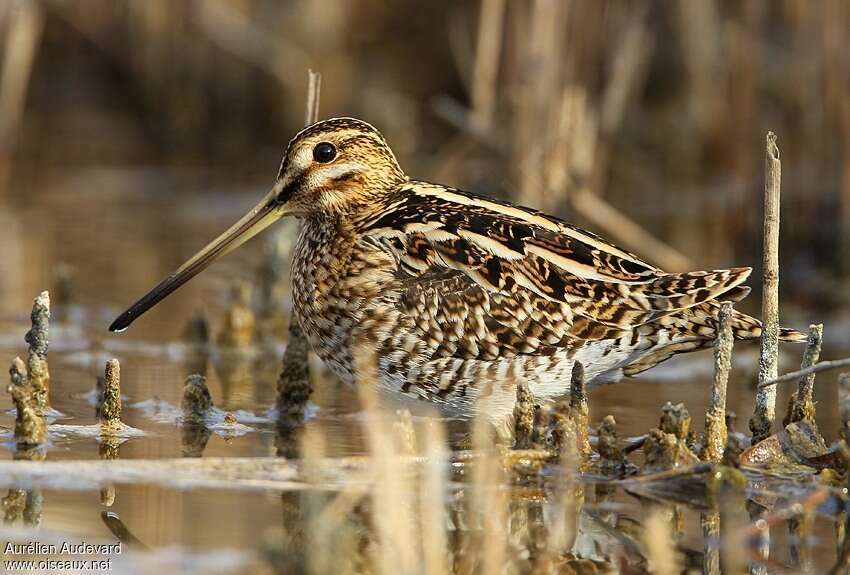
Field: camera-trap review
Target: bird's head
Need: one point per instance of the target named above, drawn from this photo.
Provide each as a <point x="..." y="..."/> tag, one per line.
<point x="332" y="167"/>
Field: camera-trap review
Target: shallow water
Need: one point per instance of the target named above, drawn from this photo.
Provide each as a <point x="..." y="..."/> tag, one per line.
<point x="118" y="239"/>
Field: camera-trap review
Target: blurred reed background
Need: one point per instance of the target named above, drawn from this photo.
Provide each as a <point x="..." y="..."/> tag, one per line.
<point x="643" y="120"/>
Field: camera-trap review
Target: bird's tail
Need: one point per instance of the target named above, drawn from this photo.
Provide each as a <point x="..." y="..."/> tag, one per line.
<point x="747" y="327"/>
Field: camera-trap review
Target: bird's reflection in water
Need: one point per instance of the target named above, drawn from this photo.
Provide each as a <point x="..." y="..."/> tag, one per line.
<point x="544" y="526"/>
<point x="331" y="531"/>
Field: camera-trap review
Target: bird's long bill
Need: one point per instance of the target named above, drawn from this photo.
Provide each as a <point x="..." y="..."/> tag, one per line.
<point x="262" y="216"/>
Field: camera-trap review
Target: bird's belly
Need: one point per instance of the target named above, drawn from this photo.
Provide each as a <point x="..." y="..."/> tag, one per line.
<point x="466" y="387"/>
<point x="379" y="344"/>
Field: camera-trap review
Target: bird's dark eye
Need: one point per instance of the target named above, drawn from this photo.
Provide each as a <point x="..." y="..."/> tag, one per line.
<point x="324" y="152"/>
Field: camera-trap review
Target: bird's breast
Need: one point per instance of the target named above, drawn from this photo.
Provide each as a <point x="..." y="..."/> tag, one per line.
<point x="335" y="279"/>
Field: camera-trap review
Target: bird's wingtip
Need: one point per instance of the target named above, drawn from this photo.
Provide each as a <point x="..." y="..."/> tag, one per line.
<point x="792" y="335"/>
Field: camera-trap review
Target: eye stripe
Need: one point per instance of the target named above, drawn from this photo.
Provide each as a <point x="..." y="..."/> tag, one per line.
<point x="287" y="192"/>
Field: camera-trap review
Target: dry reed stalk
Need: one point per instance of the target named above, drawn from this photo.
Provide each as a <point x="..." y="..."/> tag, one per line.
<point x="627" y="78"/>
<point x="555" y="133"/>
<point x="716" y="434"/>
<point x="538" y="87"/>
<point x="25" y="23"/>
<point x="432" y="491"/>
<point x="628" y="73"/>
<point x="332" y="544"/>
<point x="573" y="142"/>
<point x="700" y="33"/>
<point x="660" y="550"/>
<point x="486" y="70"/>
<point x="710" y="523"/>
<point x="317" y="541"/>
<point x="611" y="459"/>
<point x="492" y="505"/>
<point x="567" y="499"/>
<point x="765" y="411"/>
<point x="391" y="496"/>
<point x="404" y="433"/>
<point x="326" y="541"/>
<point x="801" y="405"/>
<point x="488" y="503"/>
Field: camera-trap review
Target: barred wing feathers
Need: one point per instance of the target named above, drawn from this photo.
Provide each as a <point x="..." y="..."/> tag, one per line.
<point x="518" y="252"/>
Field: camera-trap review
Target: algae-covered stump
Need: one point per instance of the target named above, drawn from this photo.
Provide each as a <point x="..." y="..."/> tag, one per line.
<point x="801" y="405"/>
<point x="39" y="374"/>
<point x="110" y="411"/>
<point x="197" y="400"/>
<point x="611" y="459"/>
<point x="293" y="385"/>
<point x="523" y="417"/>
<point x="30" y="427"/>
<point x="580" y="410"/>
<point x="716" y="432"/>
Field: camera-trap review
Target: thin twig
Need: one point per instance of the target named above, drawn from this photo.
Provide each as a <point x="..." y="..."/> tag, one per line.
<point x="816" y="368"/>
<point x="314" y="89"/>
<point x="765" y="411"/>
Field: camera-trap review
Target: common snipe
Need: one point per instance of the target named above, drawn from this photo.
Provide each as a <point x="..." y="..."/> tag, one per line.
<point x="457" y="295"/>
